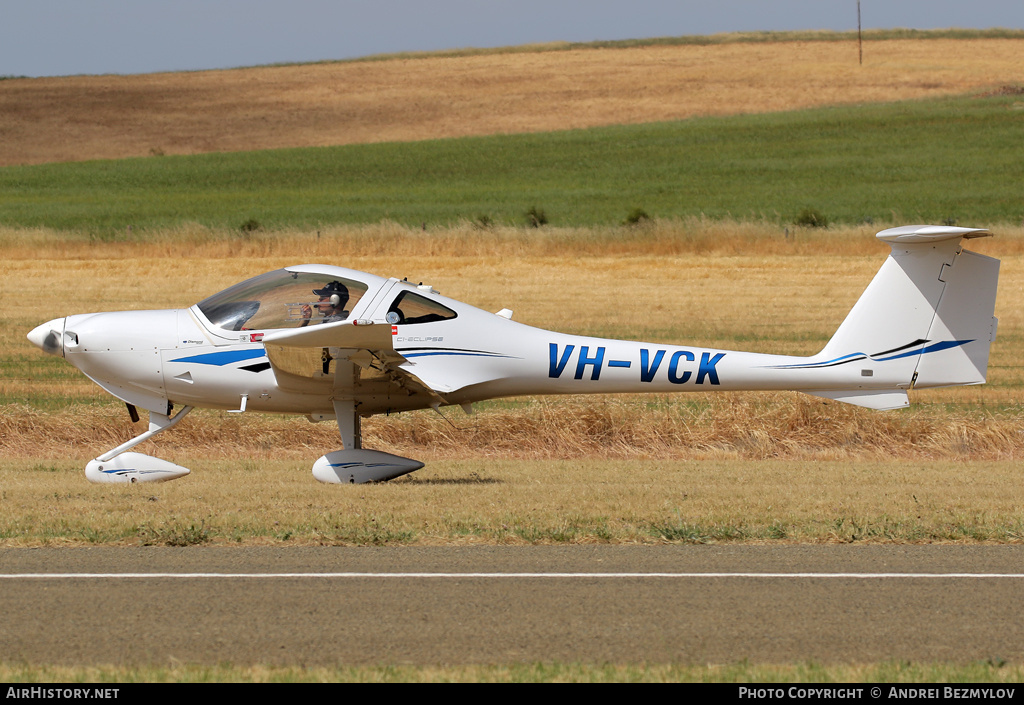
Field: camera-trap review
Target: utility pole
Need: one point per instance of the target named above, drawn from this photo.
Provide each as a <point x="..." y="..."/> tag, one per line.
<point x="860" y="41"/>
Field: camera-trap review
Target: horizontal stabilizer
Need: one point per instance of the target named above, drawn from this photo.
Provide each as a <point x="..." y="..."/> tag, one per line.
<point x="911" y="234"/>
<point x="880" y="399"/>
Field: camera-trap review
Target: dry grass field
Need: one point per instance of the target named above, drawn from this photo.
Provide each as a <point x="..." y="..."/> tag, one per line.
<point x="430" y="97"/>
<point x="704" y="467"/>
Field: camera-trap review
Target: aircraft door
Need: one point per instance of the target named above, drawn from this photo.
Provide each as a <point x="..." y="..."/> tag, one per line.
<point x="377" y="309"/>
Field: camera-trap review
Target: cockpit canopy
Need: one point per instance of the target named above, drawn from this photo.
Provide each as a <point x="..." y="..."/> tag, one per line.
<point x="283" y="299"/>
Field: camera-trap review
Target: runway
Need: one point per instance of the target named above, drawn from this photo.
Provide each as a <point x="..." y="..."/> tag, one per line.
<point x="494" y="604"/>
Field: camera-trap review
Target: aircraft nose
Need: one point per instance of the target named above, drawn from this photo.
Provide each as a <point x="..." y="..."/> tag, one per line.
<point x="49" y="337"/>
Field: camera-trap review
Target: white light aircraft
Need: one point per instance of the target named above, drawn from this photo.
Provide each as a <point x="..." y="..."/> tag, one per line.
<point x="333" y="343"/>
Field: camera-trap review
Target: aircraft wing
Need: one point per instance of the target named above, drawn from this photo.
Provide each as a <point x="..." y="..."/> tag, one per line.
<point x="302" y="357"/>
<point x="355" y="334"/>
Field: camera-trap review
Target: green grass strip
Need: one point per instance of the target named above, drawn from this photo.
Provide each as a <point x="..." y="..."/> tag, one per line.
<point x="951" y="160"/>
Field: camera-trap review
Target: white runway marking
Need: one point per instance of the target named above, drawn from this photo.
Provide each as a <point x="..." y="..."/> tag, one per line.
<point x="499" y="576"/>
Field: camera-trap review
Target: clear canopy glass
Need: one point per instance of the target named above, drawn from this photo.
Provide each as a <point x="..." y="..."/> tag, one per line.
<point x="283" y="299"/>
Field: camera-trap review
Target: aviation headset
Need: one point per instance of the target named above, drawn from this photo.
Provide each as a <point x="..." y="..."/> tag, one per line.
<point x="337" y="293"/>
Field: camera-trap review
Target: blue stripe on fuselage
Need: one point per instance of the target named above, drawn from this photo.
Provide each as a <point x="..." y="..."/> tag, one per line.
<point x="226" y="357"/>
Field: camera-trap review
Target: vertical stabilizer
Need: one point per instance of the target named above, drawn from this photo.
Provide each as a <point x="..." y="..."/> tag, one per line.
<point x="926" y="319"/>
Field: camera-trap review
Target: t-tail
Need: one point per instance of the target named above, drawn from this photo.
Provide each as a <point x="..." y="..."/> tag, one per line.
<point x="925" y="320"/>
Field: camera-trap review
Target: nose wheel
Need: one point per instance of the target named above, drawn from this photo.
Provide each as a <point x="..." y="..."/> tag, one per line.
<point x="133" y="467"/>
<point x="120" y="466"/>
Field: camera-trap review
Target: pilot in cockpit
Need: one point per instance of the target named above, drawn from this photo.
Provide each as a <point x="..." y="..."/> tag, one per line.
<point x="333" y="298"/>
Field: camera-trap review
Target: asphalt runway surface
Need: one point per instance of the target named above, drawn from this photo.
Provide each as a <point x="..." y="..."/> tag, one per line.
<point x="498" y="605"/>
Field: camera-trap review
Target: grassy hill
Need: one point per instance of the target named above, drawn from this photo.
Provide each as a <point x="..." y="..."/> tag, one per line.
<point x="941" y="160"/>
<point x="748" y="127"/>
<point x="514" y="90"/>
